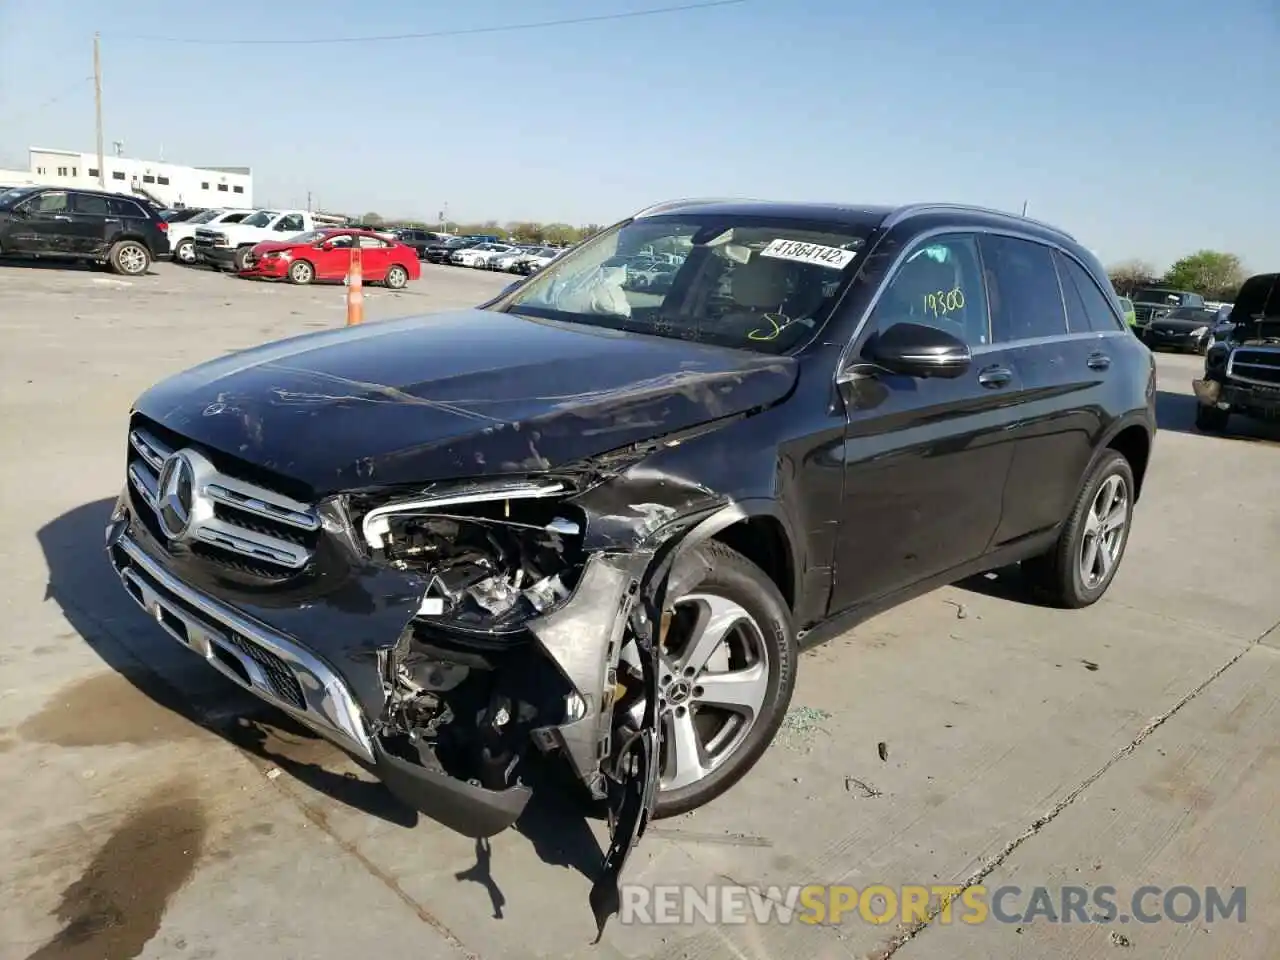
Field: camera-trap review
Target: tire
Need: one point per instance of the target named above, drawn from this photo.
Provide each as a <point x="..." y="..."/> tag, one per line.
<point x="714" y="571"/>
<point x="129" y="258"/>
<point x="397" y="276"/>
<point x="1056" y="576"/>
<point x="241" y="257"/>
<point x="301" y="272"/>
<point x="1211" y="419"/>
<point x="185" y="252"/>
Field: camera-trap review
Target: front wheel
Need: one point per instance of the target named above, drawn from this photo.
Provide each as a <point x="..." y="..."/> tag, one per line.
<point x="727" y="672"/>
<point x="185" y="252"/>
<point x="241" y="258"/>
<point x="129" y="258"/>
<point x="301" y="272"/>
<point x="397" y="277"/>
<point x="1079" y="568"/>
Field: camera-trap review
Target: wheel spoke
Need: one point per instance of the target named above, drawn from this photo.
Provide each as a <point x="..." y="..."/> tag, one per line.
<point x="1106" y="557"/>
<point x="741" y="691"/>
<point x="684" y="751"/>
<point x="1089" y="562"/>
<point x="716" y="617"/>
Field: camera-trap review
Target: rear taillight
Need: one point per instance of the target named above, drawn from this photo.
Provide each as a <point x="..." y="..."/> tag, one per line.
<point x="163" y="225"/>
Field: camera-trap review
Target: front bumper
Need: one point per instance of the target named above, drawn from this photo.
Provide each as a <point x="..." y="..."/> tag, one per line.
<point x="271" y="663"/>
<point x="267" y="268"/>
<point x="218" y="256"/>
<point x="1158" y="340"/>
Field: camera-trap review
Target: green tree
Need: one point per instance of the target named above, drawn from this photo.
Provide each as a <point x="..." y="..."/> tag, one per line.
<point x="371" y="218"/>
<point x="1129" y="275"/>
<point x="1212" y="273"/>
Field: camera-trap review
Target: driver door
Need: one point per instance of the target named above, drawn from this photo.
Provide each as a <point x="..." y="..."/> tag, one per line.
<point x="925" y="459"/>
<point x="42" y="225"/>
<point x="333" y="258"/>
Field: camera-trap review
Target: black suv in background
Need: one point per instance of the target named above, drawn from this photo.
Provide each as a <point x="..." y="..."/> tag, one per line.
<point x="441" y="251"/>
<point x="420" y="240"/>
<point x="1152" y="303"/>
<point x="1242" y="367"/>
<point x="599" y="522"/>
<point x="87" y="225"/>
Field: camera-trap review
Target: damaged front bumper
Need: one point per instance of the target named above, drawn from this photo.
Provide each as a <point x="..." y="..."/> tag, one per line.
<point x="355" y="666"/>
<point x="274" y="666"/>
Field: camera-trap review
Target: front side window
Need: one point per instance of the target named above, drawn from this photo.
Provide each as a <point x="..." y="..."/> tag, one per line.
<point x="757" y="283"/>
<point x="1022" y="284"/>
<point x="291" y="224"/>
<point x="938" y="285"/>
<point x="1088" y="310"/>
<point x="52" y="201"/>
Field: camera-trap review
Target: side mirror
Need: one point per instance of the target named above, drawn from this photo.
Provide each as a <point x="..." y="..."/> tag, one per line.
<point x="919" y="351"/>
<point x="324" y="245"/>
<point x="20" y="213"/>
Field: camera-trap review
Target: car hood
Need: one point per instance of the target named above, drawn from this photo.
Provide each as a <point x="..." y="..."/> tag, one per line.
<point x="467" y="394"/>
<point x="1180" y="326"/>
<point x="271" y="246"/>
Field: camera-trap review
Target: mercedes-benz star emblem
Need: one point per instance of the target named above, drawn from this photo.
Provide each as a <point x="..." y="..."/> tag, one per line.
<point x="176" y="492"/>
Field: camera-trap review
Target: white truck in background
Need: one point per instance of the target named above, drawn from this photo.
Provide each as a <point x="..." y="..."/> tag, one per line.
<point x="182" y="234"/>
<point x="225" y="246"/>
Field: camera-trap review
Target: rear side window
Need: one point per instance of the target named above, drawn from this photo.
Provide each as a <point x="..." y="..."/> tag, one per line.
<point x="120" y="207"/>
<point x="90" y="204"/>
<point x="1087" y="306"/>
<point x="1022" y="284"/>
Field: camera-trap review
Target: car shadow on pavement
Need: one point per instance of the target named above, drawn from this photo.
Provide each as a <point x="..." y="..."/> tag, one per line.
<point x="1177" y="412"/>
<point x="92" y="600"/>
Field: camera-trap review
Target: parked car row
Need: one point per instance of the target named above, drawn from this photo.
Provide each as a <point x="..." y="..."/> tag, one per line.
<point x="488" y="253"/>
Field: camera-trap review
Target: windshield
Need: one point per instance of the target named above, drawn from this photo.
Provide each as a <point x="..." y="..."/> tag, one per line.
<point x="259" y="219"/>
<point x="311" y="236"/>
<point x="460" y="242"/>
<point x="9" y="197"/>
<point x="1191" y="313"/>
<point x="756" y="283"/>
<point x="1172" y="298"/>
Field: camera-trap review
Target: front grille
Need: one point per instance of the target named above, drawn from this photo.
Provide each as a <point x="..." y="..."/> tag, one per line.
<point x="1255" y="365"/>
<point x="222" y="518"/>
<point x="282" y="679"/>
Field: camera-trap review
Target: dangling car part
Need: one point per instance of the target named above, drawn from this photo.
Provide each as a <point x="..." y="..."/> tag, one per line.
<point x="592" y="522"/>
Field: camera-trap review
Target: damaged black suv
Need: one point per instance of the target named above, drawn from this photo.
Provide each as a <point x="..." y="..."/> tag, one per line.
<point x="597" y="521"/>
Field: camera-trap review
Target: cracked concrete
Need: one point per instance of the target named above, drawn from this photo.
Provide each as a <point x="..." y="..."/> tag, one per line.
<point x="1131" y="743"/>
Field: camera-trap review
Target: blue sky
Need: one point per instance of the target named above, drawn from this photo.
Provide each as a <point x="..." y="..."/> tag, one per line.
<point x="1146" y="128"/>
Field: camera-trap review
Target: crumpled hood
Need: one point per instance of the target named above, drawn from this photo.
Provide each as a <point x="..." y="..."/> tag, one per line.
<point x="455" y="395"/>
<point x="269" y="246"/>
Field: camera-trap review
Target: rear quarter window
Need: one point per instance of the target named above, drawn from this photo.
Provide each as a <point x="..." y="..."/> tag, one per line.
<point x="1088" y="308"/>
<point x="121" y="207"/>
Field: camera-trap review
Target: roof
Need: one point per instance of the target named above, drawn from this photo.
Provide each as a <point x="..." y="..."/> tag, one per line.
<point x="865" y="215"/>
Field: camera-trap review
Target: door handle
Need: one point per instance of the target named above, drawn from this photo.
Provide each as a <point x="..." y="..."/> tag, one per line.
<point x="60" y="216"/>
<point x="1099" y="361"/>
<point x="995" y="377"/>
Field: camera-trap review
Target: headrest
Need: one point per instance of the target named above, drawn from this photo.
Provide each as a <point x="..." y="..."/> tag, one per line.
<point x="761" y="283"/>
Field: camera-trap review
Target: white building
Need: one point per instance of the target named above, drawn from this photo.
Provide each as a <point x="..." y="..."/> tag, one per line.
<point x="169" y="184"/>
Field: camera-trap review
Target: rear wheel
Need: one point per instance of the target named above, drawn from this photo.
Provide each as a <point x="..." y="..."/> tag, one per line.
<point x="301" y="272"/>
<point x="1081" y="565"/>
<point x="727" y="673"/>
<point x="1211" y="419"/>
<point x="130" y="258"/>
<point x="397" y="276"/>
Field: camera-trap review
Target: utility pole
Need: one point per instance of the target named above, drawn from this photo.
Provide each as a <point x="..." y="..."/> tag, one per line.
<point x="308" y="201"/>
<point x="1024" y="208"/>
<point x="97" y="105"/>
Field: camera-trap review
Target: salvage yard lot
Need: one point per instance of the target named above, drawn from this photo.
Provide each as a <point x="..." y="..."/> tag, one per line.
<point x="154" y="811"/>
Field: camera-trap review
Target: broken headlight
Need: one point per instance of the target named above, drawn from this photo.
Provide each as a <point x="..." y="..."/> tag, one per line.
<point x="493" y="558"/>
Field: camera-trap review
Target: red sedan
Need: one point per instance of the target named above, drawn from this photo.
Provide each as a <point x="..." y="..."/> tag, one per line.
<point x="326" y="255"/>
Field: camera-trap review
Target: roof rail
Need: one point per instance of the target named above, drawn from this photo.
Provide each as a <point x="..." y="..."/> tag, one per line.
<point x="913" y="209"/>
<point x="667" y="206"/>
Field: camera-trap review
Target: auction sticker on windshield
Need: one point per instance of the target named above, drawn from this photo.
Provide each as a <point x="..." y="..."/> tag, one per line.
<point x="816" y="253"/>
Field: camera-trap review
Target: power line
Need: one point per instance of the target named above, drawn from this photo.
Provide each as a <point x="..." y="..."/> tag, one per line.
<point x="56" y="98"/>
<point x="470" y="31"/>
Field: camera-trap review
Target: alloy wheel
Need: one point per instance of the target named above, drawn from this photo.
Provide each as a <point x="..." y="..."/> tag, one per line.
<point x="133" y="259"/>
<point x="1104" y="531"/>
<point x="714" y="677"/>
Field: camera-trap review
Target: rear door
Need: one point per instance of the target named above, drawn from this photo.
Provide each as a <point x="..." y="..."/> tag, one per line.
<point x="91" y="221"/>
<point x="1064" y="335"/>
<point x="926" y="459"/>
<point x="375" y="257"/>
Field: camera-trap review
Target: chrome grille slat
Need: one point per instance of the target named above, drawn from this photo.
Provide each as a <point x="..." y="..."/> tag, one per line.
<point x="1256" y="365"/>
<point x="219" y="501"/>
